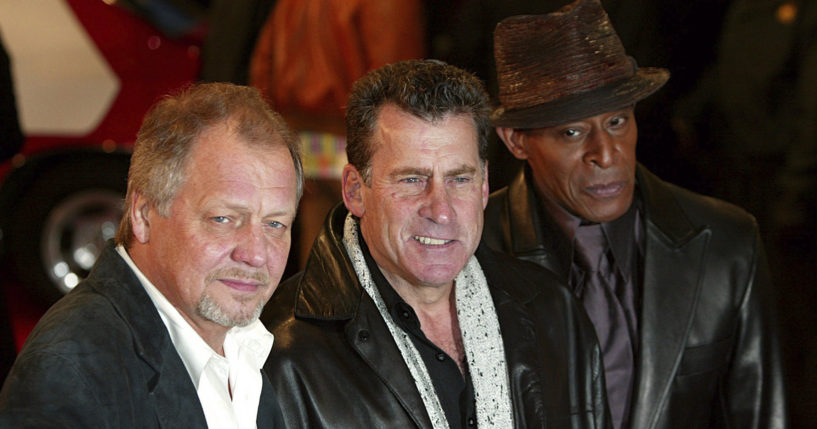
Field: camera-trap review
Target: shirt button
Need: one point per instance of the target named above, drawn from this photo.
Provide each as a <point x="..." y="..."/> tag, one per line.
<point x="363" y="335"/>
<point x="405" y="314"/>
<point x="472" y="422"/>
<point x="440" y="357"/>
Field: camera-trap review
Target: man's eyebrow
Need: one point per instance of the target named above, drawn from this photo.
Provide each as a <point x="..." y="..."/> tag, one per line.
<point x="411" y="171"/>
<point x="427" y="172"/>
<point x="241" y="208"/>
<point x="462" y="170"/>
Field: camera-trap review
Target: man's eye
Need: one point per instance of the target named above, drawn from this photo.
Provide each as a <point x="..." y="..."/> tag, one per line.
<point x="276" y="224"/>
<point x="618" y="121"/>
<point x="220" y="219"/>
<point x="410" y="180"/>
<point x="571" y="132"/>
<point x="462" y="179"/>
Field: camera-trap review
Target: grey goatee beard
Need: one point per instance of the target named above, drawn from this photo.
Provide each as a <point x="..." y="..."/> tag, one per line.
<point x="212" y="311"/>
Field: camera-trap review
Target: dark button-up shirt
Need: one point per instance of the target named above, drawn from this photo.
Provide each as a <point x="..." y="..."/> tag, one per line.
<point x="624" y="237"/>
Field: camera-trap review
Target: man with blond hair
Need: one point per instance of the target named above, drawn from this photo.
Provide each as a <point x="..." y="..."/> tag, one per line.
<point x="164" y="332"/>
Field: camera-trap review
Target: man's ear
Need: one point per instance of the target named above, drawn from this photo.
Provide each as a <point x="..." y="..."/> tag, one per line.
<point x="513" y="139"/>
<point x="352" y="188"/>
<point x="139" y="210"/>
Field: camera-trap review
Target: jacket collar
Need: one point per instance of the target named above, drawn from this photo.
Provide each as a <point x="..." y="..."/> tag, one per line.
<point x="676" y="249"/>
<point x="113" y="278"/>
<point x="663" y="209"/>
<point x="170" y="389"/>
<point x="535" y="234"/>
<point x="328" y="267"/>
<point x="525" y="210"/>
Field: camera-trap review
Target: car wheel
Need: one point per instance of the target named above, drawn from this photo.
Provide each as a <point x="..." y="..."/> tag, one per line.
<point x="62" y="221"/>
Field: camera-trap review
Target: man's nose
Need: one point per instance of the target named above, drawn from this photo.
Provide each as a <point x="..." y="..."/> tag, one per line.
<point x="437" y="204"/>
<point x="601" y="150"/>
<point x="251" y="247"/>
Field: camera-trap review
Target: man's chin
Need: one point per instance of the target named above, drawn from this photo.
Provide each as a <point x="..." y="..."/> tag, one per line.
<point x="214" y="312"/>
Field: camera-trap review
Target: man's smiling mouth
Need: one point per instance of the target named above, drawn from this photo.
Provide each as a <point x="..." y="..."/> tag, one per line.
<point x="431" y="241"/>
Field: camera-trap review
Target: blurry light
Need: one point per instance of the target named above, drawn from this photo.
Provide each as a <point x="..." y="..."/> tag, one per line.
<point x="193" y="51"/>
<point x="154" y="42"/>
<point x="71" y="280"/>
<point x="787" y="12"/>
<point x="18" y="160"/>
<point x="108" y="230"/>
<point x="85" y="256"/>
<point x="60" y="269"/>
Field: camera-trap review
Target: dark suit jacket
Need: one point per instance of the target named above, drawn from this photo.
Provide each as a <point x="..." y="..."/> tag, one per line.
<point x="335" y="364"/>
<point x="708" y="348"/>
<point x="101" y="357"/>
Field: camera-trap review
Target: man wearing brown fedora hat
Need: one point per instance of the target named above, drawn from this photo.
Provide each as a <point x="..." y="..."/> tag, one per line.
<point x="675" y="283"/>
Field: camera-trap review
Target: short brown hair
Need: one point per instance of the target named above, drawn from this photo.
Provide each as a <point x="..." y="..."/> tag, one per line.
<point x="428" y="89"/>
<point x="164" y="142"/>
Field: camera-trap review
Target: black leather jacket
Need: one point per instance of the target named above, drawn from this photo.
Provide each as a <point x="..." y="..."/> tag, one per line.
<point x="335" y="365"/>
<point x="708" y="354"/>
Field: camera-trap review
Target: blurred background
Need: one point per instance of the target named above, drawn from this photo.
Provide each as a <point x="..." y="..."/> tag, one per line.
<point x="737" y="119"/>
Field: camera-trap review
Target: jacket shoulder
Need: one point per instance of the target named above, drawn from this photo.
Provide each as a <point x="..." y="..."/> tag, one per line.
<point x="281" y="306"/>
<point x="720" y="216"/>
<point x="81" y="322"/>
<point x="521" y="278"/>
<point x="674" y="209"/>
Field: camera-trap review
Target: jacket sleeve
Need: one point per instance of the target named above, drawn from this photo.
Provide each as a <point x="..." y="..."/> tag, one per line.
<point x="753" y="394"/>
<point x="46" y="390"/>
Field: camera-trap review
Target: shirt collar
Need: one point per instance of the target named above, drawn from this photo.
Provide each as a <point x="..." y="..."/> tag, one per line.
<point x="251" y="343"/>
<point x="619" y="232"/>
<point x="393" y="301"/>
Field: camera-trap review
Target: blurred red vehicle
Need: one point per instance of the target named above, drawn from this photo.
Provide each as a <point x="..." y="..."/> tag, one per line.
<point x="85" y="72"/>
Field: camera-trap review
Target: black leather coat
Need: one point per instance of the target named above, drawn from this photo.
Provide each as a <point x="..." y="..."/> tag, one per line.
<point x="101" y="357"/>
<point x="335" y="365"/>
<point x="708" y="352"/>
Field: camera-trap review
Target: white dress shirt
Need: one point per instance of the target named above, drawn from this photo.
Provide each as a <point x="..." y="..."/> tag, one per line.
<point x="245" y="351"/>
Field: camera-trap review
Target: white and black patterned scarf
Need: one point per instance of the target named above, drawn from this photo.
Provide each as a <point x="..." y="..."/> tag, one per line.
<point x="481" y="338"/>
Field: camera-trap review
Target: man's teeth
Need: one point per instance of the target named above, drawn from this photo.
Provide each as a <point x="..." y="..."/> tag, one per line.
<point x="430" y="241"/>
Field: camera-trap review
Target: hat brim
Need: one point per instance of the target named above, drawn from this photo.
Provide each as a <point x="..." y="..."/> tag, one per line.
<point x="586" y="104"/>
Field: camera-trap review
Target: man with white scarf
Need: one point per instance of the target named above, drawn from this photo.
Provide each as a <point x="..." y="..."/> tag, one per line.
<point x="400" y="319"/>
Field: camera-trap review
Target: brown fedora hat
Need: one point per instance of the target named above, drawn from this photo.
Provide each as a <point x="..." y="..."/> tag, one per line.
<point x="565" y="66"/>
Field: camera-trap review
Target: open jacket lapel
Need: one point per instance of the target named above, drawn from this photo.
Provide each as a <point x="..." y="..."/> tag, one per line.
<point x="366" y="330"/>
<point x="532" y="235"/>
<point x="383" y="357"/>
<point x="171" y="391"/>
<point x="673" y="263"/>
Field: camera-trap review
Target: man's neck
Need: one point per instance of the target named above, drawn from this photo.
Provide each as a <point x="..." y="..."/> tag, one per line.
<point x="213" y="334"/>
<point x="443" y="329"/>
<point x="436" y="310"/>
